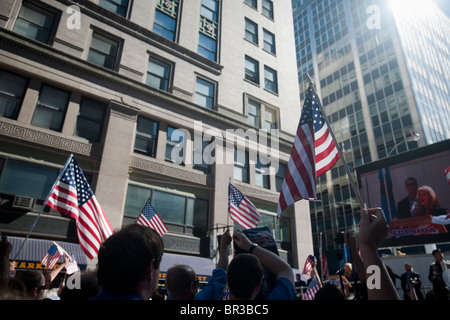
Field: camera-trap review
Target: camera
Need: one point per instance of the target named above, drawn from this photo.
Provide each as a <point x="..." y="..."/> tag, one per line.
<point x="339" y="238"/>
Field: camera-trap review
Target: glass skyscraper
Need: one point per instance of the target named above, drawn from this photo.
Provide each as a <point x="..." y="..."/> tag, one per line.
<point x="381" y="72"/>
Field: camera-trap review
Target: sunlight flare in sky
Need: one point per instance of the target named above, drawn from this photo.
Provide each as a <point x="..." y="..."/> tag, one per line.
<point x="412" y="6"/>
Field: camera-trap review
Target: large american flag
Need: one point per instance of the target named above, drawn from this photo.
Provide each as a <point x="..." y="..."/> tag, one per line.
<point x="312" y="289"/>
<point x="313" y="153"/>
<point x="52" y="256"/>
<point x="242" y="210"/>
<point x="150" y="218"/>
<point x="73" y="196"/>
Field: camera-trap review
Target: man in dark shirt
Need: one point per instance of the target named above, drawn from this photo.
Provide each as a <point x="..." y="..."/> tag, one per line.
<point x="405" y="206"/>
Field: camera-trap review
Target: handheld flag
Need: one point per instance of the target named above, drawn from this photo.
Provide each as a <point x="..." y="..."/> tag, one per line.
<point x="309" y="264"/>
<point x="71" y="266"/>
<point x="314" y="153"/>
<point x="150" y="218"/>
<point x="73" y="197"/>
<point x="312" y="289"/>
<point x="241" y="210"/>
<point x="52" y="256"/>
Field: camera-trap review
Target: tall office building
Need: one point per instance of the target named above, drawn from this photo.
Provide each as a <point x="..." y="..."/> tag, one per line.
<point x="149" y="96"/>
<point x="382" y="71"/>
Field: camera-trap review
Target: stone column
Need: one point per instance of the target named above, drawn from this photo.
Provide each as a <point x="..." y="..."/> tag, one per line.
<point x="113" y="173"/>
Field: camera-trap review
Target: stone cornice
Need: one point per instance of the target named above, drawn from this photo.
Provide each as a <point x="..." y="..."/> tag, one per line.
<point x="52" y="140"/>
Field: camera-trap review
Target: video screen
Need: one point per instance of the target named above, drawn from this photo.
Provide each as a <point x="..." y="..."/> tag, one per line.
<point x="413" y="188"/>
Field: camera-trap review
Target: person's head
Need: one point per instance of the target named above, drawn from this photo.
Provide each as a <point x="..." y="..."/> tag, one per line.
<point x="33" y="282"/>
<point x="129" y="260"/>
<point x="348" y="267"/>
<point x="438" y="255"/>
<point x="411" y="186"/>
<point x="408" y="267"/>
<point x="426" y="198"/>
<point x="297" y="277"/>
<point x="88" y="287"/>
<point x="329" y="292"/>
<point x="181" y="282"/>
<point x="245" y="274"/>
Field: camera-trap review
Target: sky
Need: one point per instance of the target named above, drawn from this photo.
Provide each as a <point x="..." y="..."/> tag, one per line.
<point x="444" y="5"/>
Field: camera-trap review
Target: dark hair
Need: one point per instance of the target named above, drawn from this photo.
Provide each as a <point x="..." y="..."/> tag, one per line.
<point x="31" y="279"/>
<point x="410" y="179"/>
<point x="244" y="273"/>
<point x="329" y="292"/>
<point x="124" y="258"/>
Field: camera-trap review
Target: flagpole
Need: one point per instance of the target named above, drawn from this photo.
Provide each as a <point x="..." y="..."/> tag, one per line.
<point x="43" y="205"/>
<point x="338" y="146"/>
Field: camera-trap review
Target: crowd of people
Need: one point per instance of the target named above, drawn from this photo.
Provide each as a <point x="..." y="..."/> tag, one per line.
<point x="129" y="266"/>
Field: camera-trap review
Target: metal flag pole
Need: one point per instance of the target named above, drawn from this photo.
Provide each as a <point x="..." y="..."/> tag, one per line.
<point x="347" y="170"/>
<point x="43" y="206"/>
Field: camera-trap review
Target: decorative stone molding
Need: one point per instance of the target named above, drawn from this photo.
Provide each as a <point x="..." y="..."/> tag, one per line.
<point x="165" y="170"/>
<point x="46" y="139"/>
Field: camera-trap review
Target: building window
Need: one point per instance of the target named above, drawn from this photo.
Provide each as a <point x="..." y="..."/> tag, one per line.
<point x="119" y="7"/>
<point x="267" y="8"/>
<point x="205" y="93"/>
<point x="251" y="31"/>
<point x="12" y="91"/>
<point x="158" y="74"/>
<point x="51" y="108"/>
<point x="207" y="47"/>
<point x="172" y="141"/>
<point x="262" y="174"/>
<point x="103" y="51"/>
<point x="181" y="214"/>
<point x="166" y="18"/>
<point x="27" y="179"/>
<point x="202" y="159"/>
<point x="90" y="119"/>
<point x="269" y="41"/>
<point x="279" y="176"/>
<point x="251" y="70"/>
<point x="252" y="3"/>
<point x="208" y="29"/>
<point x="270" y="79"/>
<point x="35" y="23"/>
<point x="146" y="136"/>
<point x="254" y="114"/>
<point x="261" y="115"/>
<point x="270" y="119"/>
<point x="241" y="166"/>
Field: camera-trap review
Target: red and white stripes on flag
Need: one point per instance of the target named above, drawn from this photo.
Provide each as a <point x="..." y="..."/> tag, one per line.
<point x="52" y="256"/>
<point x="312" y="289"/>
<point x="241" y="210"/>
<point x="314" y="152"/>
<point x="73" y="196"/>
<point x="309" y="264"/>
<point x="150" y="218"/>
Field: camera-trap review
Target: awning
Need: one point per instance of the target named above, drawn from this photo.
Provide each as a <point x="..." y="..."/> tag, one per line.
<point x="203" y="267"/>
<point x="35" y="249"/>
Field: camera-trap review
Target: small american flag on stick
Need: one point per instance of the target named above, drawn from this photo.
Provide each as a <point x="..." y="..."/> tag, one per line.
<point x="241" y="210"/>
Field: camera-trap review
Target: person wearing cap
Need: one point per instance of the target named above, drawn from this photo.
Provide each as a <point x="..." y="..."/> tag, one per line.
<point x="437" y="268"/>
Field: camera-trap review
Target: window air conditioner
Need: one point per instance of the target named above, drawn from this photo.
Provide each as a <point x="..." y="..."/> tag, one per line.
<point x="21" y="202"/>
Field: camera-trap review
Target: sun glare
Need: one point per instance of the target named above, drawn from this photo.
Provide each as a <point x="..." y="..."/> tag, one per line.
<point x="411" y="6"/>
